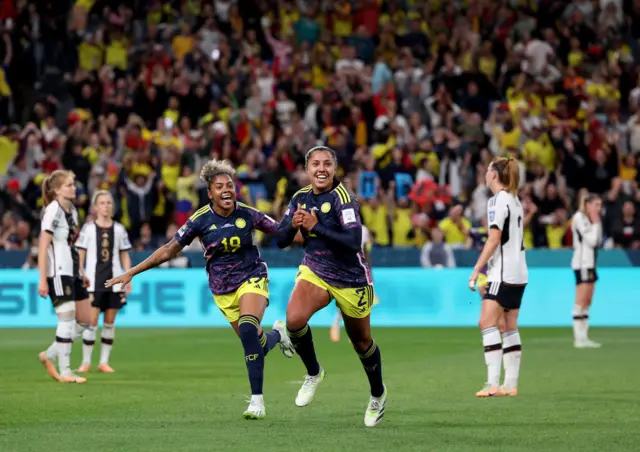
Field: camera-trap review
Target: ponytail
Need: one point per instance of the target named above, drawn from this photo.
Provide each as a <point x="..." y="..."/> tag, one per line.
<point x="47" y="193"/>
<point x="512" y="174"/>
<point x="508" y="173"/>
<point x="51" y="183"/>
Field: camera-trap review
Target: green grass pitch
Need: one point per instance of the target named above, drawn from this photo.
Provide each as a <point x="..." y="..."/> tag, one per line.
<point x="184" y="390"/>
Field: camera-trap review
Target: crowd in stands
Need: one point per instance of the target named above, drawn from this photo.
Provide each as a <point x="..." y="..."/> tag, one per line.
<point x="416" y="97"/>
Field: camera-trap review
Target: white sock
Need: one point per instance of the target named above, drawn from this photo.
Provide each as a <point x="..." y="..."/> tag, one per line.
<point x="492" y="354"/>
<point x="88" y="340"/>
<point x="64" y="338"/>
<point x="52" y="351"/>
<point x="586" y="322"/>
<point x="257" y="399"/>
<point x="580" y="323"/>
<point x="108" y="335"/>
<point x="79" y="329"/>
<point x="511" y="356"/>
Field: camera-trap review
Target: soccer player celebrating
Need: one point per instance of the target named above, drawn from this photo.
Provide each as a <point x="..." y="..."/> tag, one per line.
<point x="328" y="216"/>
<point x="61" y="276"/>
<point x="105" y="245"/>
<point x="507" y="278"/>
<point x="586" y="228"/>
<point x="237" y="275"/>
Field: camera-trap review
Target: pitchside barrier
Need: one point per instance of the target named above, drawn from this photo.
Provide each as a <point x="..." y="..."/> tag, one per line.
<point x="409" y="297"/>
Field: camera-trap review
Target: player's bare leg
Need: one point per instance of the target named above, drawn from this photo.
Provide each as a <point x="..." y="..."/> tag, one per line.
<point x="89" y="340"/>
<point x="252" y="308"/>
<point x="511" y="353"/>
<point x="306" y="299"/>
<point x="334" y="331"/>
<point x="107" y="339"/>
<point x="482" y="290"/>
<point x="359" y="331"/>
<point x="489" y="320"/>
<point x="584" y="296"/>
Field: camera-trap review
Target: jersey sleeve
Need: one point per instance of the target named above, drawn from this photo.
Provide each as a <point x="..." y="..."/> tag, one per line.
<point x="49" y="220"/>
<point x="189" y="231"/>
<point x="84" y="238"/>
<point x="263" y="222"/>
<point x="348" y="211"/>
<point x="285" y="232"/>
<point x="497" y="211"/>
<point x="123" y="240"/>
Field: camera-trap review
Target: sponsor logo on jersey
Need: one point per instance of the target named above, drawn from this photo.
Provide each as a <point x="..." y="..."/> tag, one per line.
<point x="240" y="223"/>
<point x="213" y="227"/>
<point x="325" y="208"/>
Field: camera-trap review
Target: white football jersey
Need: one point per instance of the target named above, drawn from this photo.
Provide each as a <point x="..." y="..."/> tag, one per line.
<point x="587" y="237"/>
<point x="63" y="226"/>
<point x="508" y="263"/>
<point x="103" y="247"/>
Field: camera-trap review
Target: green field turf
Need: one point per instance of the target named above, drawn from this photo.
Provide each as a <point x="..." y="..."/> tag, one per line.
<point x="184" y="390"/>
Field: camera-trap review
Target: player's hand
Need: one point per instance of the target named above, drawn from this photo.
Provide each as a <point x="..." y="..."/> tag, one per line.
<point x="123" y="279"/>
<point x="310" y="220"/>
<point x="85" y="280"/>
<point x="472" y="280"/>
<point x="296" y="222"/>
<point x="127" y="289"/>
<point x="43" y="288"/>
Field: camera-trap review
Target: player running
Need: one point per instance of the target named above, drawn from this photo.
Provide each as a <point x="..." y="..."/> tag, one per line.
<point x="103" y="247"/>
<point x="507" y="278"/>
<point x="334" y="331"/>
<point x="586" y="228"/>
<point x="237" y="275"/>
<point x="333" y="267"/>
<point x="61" y="277"/>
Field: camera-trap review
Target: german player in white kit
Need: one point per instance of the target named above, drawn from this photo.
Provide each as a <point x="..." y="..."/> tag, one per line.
<point x="586" y="228"/>
<point x="507" y="278"/>
<point x="61" y="277"/>
<point x="334" y="331"/>
<point x="104" y="252"/>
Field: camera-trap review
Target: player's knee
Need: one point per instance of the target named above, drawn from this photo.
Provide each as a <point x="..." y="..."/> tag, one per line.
<point x="486" y="323"/>
<point x="296" y="319"/>
<point x="361" y="345"/>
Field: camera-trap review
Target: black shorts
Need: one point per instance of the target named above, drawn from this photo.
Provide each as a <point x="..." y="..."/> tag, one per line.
<point x="586" y="275"/>
<point x="66" y="288"/>
<point x="508" y="296"/>
<point x="107" y="300"/>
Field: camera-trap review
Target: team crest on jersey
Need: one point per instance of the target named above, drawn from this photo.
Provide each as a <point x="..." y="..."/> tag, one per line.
<point x="240" y="223"/>
<point x="55" y="223"/>
<point x="325" y="208"/>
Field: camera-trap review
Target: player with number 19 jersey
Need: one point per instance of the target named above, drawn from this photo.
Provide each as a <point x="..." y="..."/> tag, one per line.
<point x="231" y="256"/>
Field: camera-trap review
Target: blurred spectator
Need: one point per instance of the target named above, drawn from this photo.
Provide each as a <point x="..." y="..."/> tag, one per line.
<point x="437" y="253"/>
<point x="415" y="97"/>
